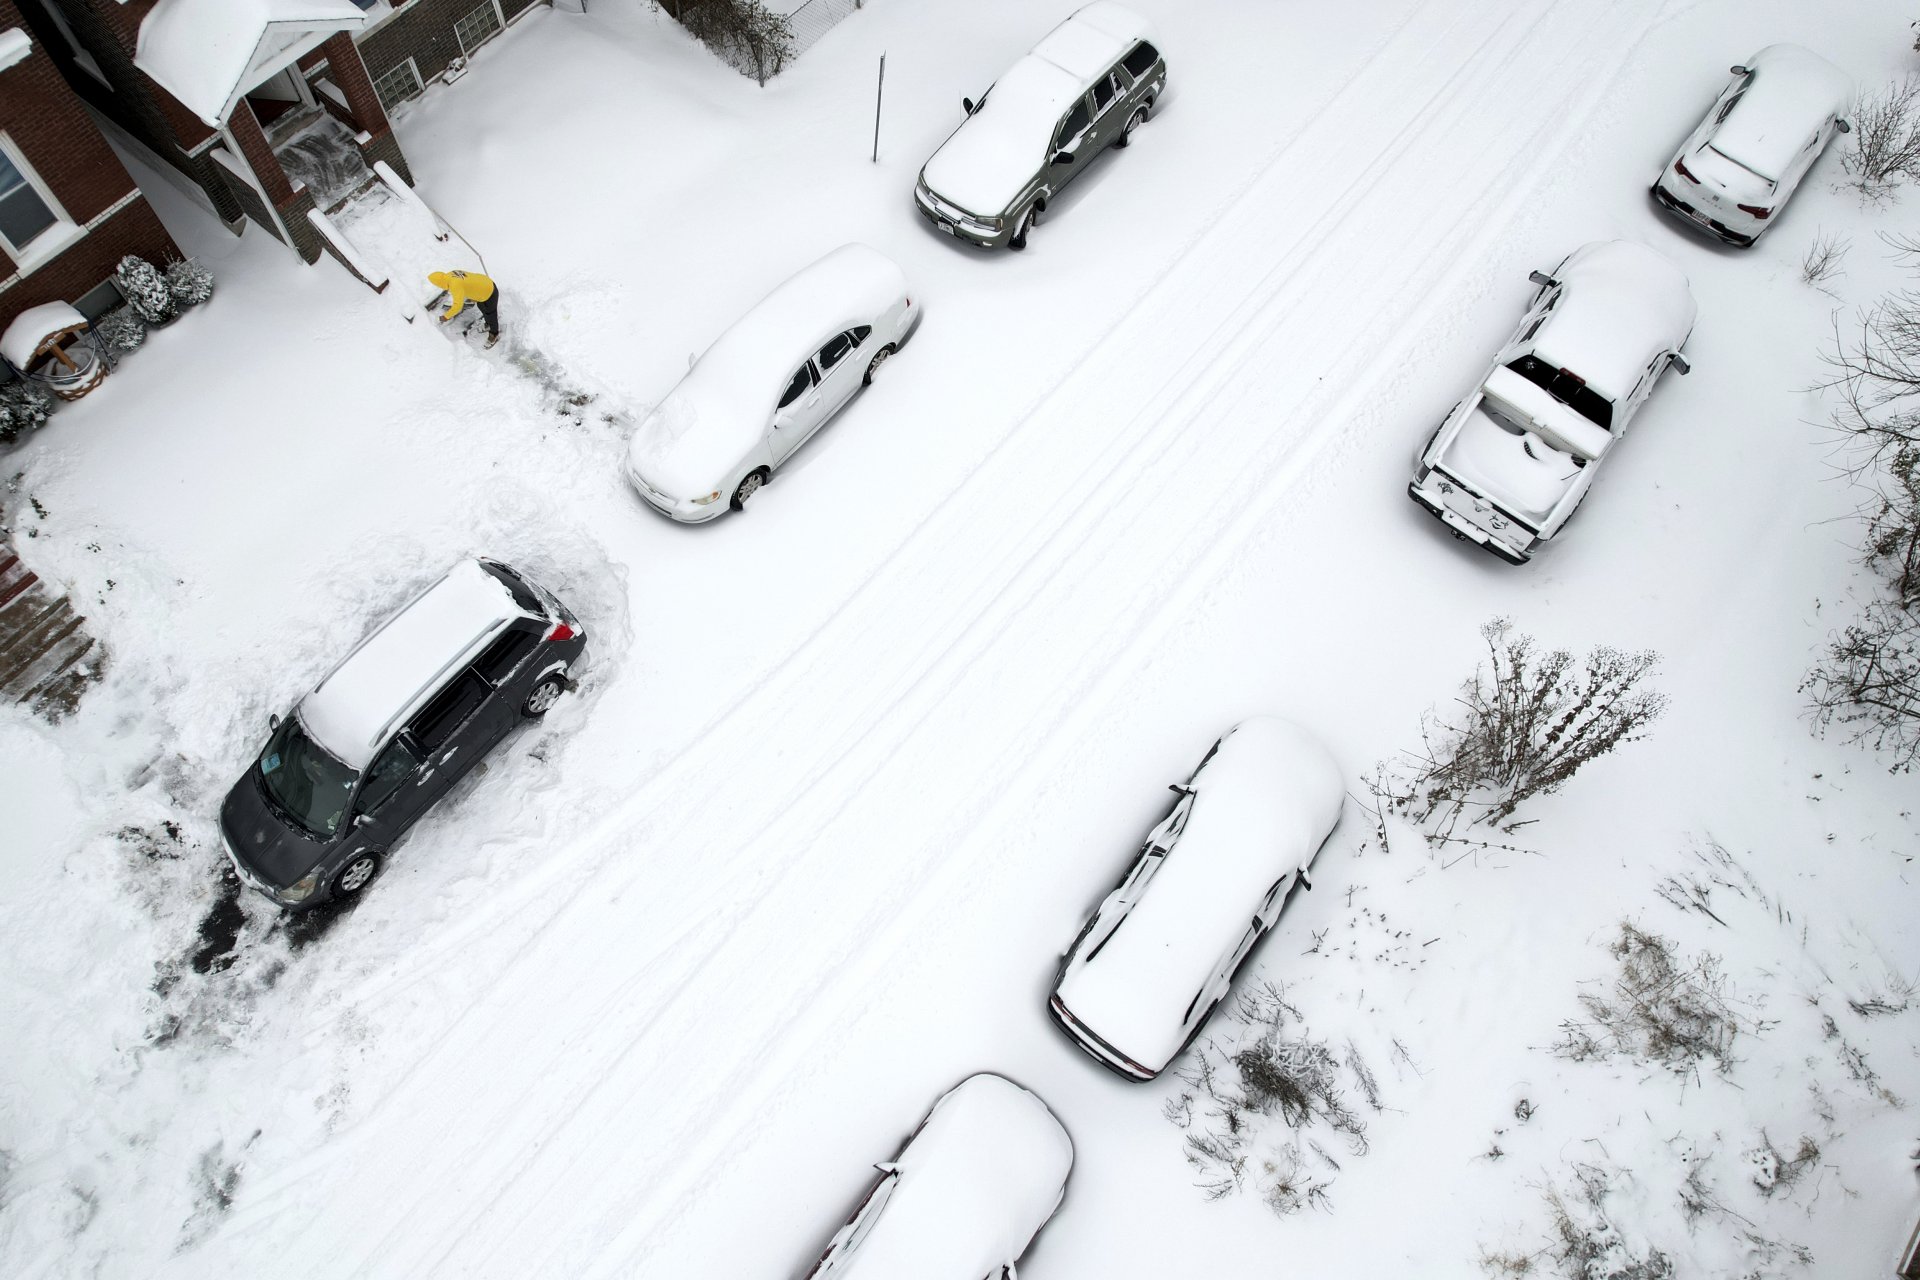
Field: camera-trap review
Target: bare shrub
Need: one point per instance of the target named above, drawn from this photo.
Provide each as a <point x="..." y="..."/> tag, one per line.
<point x="1773" y="1172"/>
<point x="745" y="34"/>
<point x="1527" y="722"/>
<point x="1886" y="138"/>
<point x="1868" y="683"/>
<point x="1659" y="1009"/>
<point x="1823" y="259"/>
<point x="1586" y="1244"/>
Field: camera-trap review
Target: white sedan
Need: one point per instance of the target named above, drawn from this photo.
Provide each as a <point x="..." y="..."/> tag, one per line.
<point x="769" y="382"/>
<point x="966" y="1195"/>
<point x="1159" y="954"/>
<point x="1759" y="139"/>
<point x="1512" y="462"/>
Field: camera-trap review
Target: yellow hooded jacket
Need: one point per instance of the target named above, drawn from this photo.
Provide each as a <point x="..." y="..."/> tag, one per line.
<point x="461" y="286"/>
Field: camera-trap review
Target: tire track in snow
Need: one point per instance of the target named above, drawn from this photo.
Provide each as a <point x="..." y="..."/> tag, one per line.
<point x="979" y="622"/>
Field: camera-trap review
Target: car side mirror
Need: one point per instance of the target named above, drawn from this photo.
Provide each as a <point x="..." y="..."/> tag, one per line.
<point x="1844" y="126"/>
<point x="273" y="721"/>
<point x="1180" y="788"/>
<point x="887" y="1166"/>
<point x="966" y="105"/>
<point x="1542" y="279"/>
<point x="1739" y="70"/>
<point x="1681" y="365"/>
<point x="361" y="819"/>
<point x="1063" y="157"/>
<point x="1306" y="881"/>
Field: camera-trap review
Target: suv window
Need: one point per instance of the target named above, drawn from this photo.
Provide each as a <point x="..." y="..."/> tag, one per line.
<point x="1140" y="60"/>
<point x="835" y="351"/>
<point x="505" y="653"/>
<point x="1566" y="388"/>
<point x="389" y="769"/>
<point x="1076" y="122"/>
<point x="801" y="381"/>
<point x="1103" y="93"/>
<point x="449" y="708"/>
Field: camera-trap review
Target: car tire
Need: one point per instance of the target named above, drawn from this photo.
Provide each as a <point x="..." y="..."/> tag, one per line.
<point x="1020" y="229"/>
<point x="542" y="696"/>
<point x="750" y="484"/>
<point x="1134" y="121"/>
<point x="361" y="870"/>
<point x="873" y="367"/>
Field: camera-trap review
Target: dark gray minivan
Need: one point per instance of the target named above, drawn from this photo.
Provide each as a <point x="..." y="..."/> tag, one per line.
<point x="392" y="728"/>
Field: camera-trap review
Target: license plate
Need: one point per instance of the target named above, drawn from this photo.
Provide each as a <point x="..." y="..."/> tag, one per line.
<point x="949" y="228"/>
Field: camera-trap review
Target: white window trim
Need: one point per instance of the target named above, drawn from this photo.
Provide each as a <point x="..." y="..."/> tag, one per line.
<point x="419" y="83"/>
<point x="49" y="244"/>
<point x="498" y="16"/>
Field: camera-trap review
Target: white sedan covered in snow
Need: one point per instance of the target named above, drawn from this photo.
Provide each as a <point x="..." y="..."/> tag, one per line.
<point x="1514" y="459"/>
<point x="1759" y="139"/>
<point x="769" y="382"/>
<point x="965" y="1196"/>
<point x="1159" y="954"/>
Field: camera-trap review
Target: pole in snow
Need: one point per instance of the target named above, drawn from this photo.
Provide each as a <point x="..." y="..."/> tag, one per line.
<point x="878" y="92"/>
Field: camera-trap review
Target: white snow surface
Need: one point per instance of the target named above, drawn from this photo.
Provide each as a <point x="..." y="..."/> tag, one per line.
<point x="1793" y="93"/>
<point x="21" y="342"/>
<point x="1623" y="304"/>
<point x="720" y="411"/>
<point x="201" y="50"/>
<point x="975" y="1184"/>
<point x="1262" y="807"/>
<point x="352" y="711"/>
<point x="843" y="775"/>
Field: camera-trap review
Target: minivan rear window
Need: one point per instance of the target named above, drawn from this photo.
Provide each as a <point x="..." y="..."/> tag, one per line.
<point x="522" y="594"/>
<point x="1141" y="60"/>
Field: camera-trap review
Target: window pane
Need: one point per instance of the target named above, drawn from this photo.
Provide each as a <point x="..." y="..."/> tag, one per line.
<point x="835" y="351"/>
<point x="1076" y="121"/>
<point x="1103" y="94"/>
<point x="505" y="653"/>
<point x="794" y="388"/>
<point x="23" y="214"/>
<point x="395" y="765"/>
<point x="1142" y="57"/>
<point x="437" y="721"/>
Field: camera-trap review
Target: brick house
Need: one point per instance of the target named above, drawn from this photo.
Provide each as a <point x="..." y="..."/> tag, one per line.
<point x="407" y="43"/>
<point x="69" y="210"/>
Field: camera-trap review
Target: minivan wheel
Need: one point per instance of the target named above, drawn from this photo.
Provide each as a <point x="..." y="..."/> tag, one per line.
<point x="542" y="697"/>
<point x="357" y="874"/>
<point x="749" y="486"/>
<point x="879" y="358"/>
<point x="1020" y="229"/>
<point x="1134" y="121"/>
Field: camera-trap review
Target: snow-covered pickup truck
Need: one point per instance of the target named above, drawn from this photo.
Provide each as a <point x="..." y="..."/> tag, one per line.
<point x="1514" y="459"/>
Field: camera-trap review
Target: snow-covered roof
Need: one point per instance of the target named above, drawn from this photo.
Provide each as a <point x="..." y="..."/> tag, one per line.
<point x="1261" y="808"/>
<point x="14" y="46"/>
<point x="1792" y="93"/>
<point x="1623" y="304"/>
<point x="353" y="710"/>
<point x="694" y="438"/>
<point x="995" y="151"/>
<point x="207" y="53"/>
<point x="31" y="327"/>
<point x="975" y="1184"/>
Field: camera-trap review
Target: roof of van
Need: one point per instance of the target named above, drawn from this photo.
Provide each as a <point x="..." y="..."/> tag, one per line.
<point x="1092" y="39"/>
<point x="693" y="439"/>
<point x="1262" y="806"/>
<point x="351" y="711"/>
<point x="1793" y="92"/>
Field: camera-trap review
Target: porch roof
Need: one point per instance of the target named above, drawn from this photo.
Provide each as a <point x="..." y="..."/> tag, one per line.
<point x="207" y="53"/>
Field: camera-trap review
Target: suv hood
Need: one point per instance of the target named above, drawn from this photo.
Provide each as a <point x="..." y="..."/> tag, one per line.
<point x="993" y="155"/>
<point x="262" y="840"/>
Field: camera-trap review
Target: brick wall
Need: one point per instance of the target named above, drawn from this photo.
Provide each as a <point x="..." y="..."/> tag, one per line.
<point x="423" y="30"/>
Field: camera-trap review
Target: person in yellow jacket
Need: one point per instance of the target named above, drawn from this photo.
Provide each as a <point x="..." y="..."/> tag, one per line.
<point x="470" y="286"/>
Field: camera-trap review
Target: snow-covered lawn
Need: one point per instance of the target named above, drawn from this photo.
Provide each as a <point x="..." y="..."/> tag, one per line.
<point x="650" y="994"/>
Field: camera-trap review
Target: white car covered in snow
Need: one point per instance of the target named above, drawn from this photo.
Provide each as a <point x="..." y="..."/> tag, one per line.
<point x="769" y="382"/>
<point x="1763" y="133"/>
<point x="1086" y="87"/>
<point x="966" y="1195"/>
<point x="1514" y="460"/>
<point x="1159" y="954"/>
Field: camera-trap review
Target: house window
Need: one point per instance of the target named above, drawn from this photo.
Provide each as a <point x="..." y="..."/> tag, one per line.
<point x="27" y="208"/>
<point x="397" y="85"/>
<point x="478" y="27"/>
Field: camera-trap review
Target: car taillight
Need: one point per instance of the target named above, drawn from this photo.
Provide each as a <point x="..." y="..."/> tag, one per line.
<point x="1680" y="167"/>
<point x="1758" y="211"/>
<point x="561" y="631"/>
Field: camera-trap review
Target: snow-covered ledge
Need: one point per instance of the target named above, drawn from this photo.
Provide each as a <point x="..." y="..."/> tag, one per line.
<point x="14" y="47"/>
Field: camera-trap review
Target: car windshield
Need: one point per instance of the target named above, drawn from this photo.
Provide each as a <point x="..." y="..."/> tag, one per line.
<point x="303" y="782"/>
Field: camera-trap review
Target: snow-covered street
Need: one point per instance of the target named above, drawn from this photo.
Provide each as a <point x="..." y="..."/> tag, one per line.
<point x="654" y="988"/>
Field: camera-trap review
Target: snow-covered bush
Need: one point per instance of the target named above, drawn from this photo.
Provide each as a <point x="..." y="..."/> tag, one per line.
<point x="1526" y="724"/>
<point x="745" y="34"/>
<point x="145" y="289"/>
<point x="23" y="407"/>
<point x="190" y="283"/>
<point x="1886" y="138"/>
<point x="120" y="330"/>
<point x="1658" y="1009"/>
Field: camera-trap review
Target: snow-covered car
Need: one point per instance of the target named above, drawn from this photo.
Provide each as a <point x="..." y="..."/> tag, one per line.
<point x="390" y="730"/>
<point x="1159" y="954"/>
<point x="1513" y="461"/>
<point x="1761" y="136"/>
<point x="966" y="1195"/>
<point x="1084" y="88"/>
<point x="769" y="382"/>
